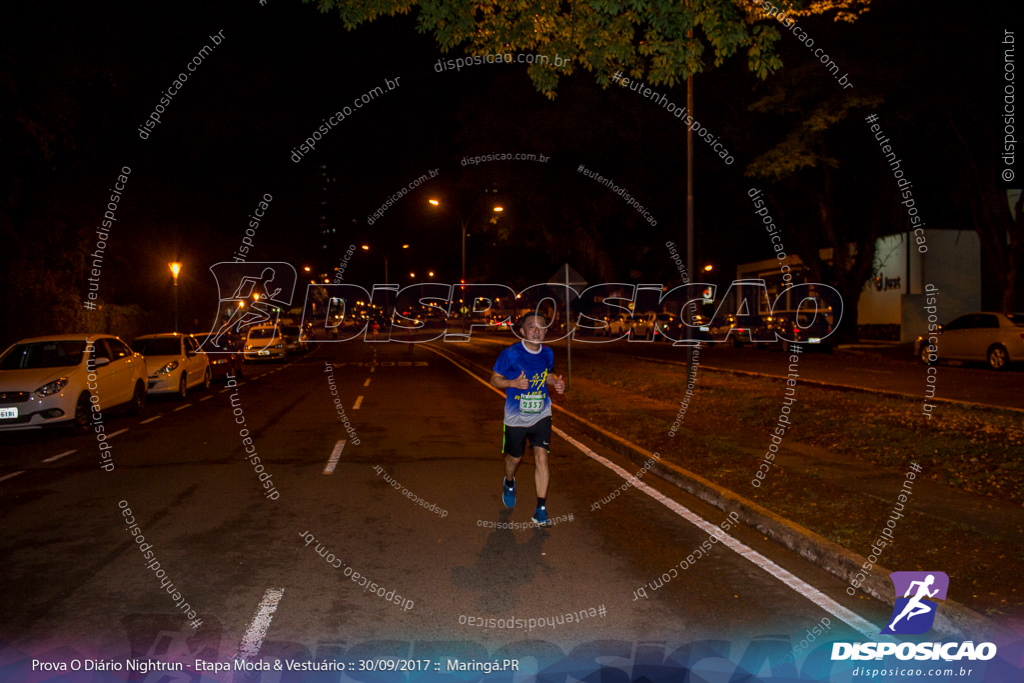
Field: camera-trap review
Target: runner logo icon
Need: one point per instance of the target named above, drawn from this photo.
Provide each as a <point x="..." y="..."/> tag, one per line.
<point x="914" y="613"/>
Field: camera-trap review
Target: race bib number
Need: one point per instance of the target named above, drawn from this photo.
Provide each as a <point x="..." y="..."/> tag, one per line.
<point x="531" y="403"/>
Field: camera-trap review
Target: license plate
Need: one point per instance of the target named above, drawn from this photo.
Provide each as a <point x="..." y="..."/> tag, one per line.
<point x="263" y="353"/>
<point x="8" y="413"/>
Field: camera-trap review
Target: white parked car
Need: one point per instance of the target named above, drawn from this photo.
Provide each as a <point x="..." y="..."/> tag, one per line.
<point x="993" y="338"/>
<point x="52" y="380"/>
<point x="175" y="363"/>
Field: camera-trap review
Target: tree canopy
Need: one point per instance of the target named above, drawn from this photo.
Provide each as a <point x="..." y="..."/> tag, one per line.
<point x="660" y="41"/>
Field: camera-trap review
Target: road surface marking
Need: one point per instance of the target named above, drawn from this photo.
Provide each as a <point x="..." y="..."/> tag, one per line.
<point x="206" y="398"/>
<point x="253" y="638"/>
<point x="59" y="456"/>
<point x="9" y="476"/>
<point x="187" y="405"/>
<point x="367" y="382"/>
<point x="335" y="455"/>
<point x="159" y="416"/>
<point x="119" y="431"/>
<point x="854" y="620"/>
<point x="359" y="402"/>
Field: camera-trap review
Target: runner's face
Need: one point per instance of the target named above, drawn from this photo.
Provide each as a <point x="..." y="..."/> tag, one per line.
<point x="532" y="330"/>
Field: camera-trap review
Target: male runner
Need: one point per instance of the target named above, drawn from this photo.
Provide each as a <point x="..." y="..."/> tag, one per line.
<point x="525" y="371"/>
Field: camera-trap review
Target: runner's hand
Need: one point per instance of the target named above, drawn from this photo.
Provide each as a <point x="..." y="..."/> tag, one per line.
<point x="521" y="382"/>
<point x="559" y="384"/>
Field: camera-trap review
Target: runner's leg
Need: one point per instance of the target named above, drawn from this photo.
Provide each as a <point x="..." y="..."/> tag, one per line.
<point x="541" y="475"/>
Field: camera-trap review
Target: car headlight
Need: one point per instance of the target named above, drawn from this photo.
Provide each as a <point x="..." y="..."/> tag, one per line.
<point x="52" y="387"/>
<point x="168" y="368"/>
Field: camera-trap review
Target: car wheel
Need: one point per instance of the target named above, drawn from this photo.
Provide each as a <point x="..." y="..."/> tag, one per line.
<point x="183" y="386"/>
<point x="138" y="398"/>
<point x="82" y="410"/>
<point x="207" y="379"/>
<point x="998" y="359"/>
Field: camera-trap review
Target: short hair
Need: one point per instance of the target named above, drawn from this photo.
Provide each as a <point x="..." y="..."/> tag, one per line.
<point x="532" y="314"/>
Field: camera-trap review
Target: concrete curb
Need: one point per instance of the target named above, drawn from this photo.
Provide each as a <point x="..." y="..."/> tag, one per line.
<point x="954" y="621"/>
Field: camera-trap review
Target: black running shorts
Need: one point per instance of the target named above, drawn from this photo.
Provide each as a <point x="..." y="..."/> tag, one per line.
<point x="539" y="434"/>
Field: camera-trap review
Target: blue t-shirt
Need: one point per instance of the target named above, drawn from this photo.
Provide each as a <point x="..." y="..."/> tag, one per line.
<point x="526" y="408"/>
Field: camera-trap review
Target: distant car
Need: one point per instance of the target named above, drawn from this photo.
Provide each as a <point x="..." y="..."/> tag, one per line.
<point x="57" y="379"/>
<point x="643" y="326"/>
<point x="672" y="329"/>
<point x="227" y="361"/>
<point x="993" y="338"/>
<point x="617" y="325"/>
<point x="812" y="331"/>
<point x="264" y="342"/>
<point x="745" y="329"/>
<point x="175" y="363"/>
<point x="296" y="339"/>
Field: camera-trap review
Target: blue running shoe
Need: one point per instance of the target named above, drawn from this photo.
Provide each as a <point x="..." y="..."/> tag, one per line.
<point x="508" y="494"/>
<point x="540" y="517"/>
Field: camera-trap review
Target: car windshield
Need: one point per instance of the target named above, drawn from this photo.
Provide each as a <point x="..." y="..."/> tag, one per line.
<point x="262" y="333"/>
<point x="164" y="346"/>
<point x="51" y="354"/>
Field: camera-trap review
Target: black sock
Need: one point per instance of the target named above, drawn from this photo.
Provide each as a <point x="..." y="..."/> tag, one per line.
<point x="509" y="484"/>
<point x="541" y="502"/>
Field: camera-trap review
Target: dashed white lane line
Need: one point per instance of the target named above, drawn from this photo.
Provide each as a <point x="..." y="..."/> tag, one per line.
<point x="367" y="382"/>
<point x="187" y="405"/>
<point x="156" y="417"/>
<point x="206" y="398"/>
<point x="61" y="455"/>
<point x="854" y="620"/>
<point x="253" y="638"/>
<point x="335" y="456"/>
<point x="11" y="475"/>
<point x="119" y="431"/>
<point x="359" y="402"/>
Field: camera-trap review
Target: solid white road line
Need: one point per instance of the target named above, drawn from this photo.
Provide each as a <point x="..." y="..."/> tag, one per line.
<point x="865" y="627"/>
<point x="335" y="455"/>
<point x="854" y="620"/>
<point x="253" y="638"/>
<point x="153" y="418"/>
<point x="60" y="455"/>
<point x="359" y="402"/>
<point x="12" y="475"/>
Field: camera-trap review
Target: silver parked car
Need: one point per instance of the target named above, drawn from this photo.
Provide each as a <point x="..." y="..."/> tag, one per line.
<point x="993" y="338"/>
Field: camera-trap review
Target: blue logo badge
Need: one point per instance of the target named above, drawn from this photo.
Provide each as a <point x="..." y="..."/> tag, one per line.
<point x="914" y="613"/>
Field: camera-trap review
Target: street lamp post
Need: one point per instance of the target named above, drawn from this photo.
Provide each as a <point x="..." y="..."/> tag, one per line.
<point x="387" y="292"/>
<point x="463" y="225"/>
<point x="175" y="269"/>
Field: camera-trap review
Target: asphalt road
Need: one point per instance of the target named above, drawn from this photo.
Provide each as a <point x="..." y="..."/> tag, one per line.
<point x="268" y="576"/>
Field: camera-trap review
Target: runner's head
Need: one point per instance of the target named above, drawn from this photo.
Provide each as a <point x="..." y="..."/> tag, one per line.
<point x="533" y="326"/>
